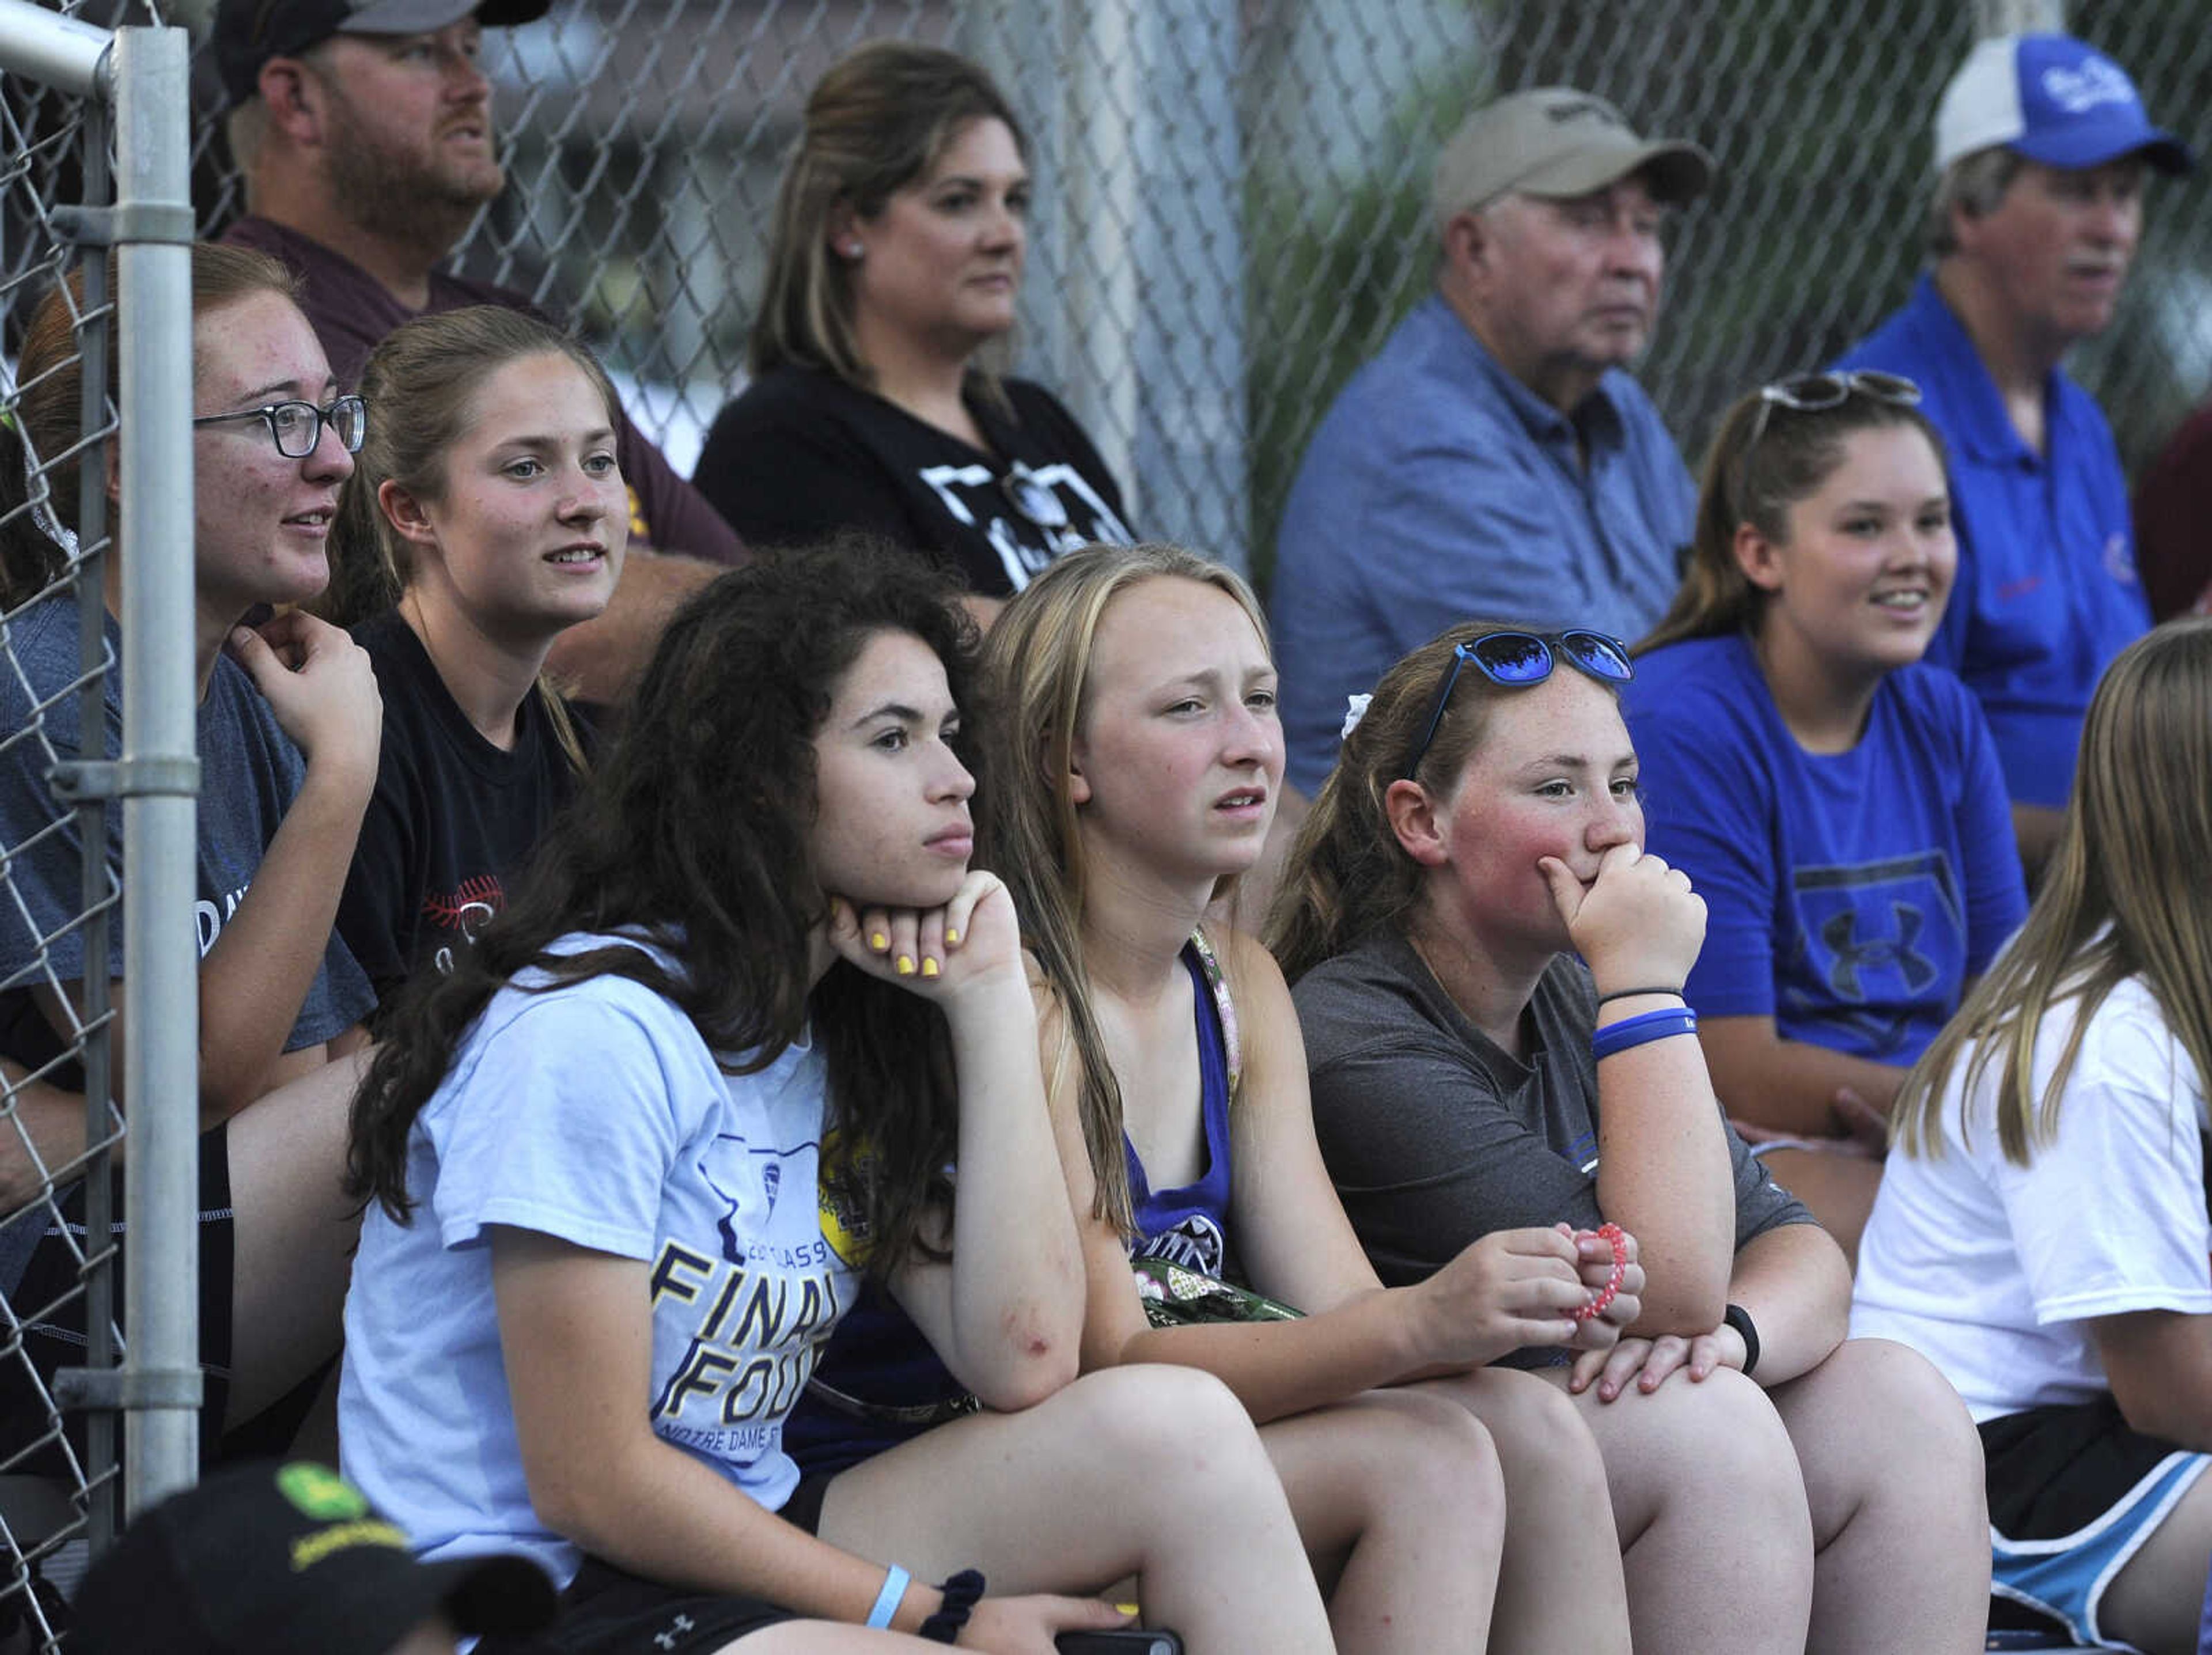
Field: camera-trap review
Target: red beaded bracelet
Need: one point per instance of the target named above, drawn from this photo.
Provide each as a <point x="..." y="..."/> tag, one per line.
<point x="1612" y="1233"/>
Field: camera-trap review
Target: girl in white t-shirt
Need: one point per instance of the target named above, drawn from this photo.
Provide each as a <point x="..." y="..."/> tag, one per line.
<point x="607" y="1244"/>
<point x="2041" y="1232"/>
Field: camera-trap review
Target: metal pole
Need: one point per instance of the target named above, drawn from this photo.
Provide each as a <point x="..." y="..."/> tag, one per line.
<point x="43" y="46"/>
<point x="161" y="1368"/>
<point x="2020" y="17"/>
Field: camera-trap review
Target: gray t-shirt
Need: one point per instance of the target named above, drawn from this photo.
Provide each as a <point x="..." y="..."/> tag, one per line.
<point x="1434" y="1136"/>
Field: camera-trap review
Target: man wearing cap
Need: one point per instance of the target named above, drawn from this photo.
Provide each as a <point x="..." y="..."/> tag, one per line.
<point x="1495" y="460"/>
<point x="363" y="131"/>
<point x="2040" y="147"/>
<point x="291" y="1560"/>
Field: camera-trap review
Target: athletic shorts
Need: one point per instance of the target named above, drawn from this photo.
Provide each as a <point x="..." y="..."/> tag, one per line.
<point x="2073" y="1493"/>
<point x="44" y="1327"/>
<point x="610" y="1611"/>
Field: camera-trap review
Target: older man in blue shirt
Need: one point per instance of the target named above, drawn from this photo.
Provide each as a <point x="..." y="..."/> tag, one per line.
<point x="1494" y="460"/>
<point x="2040" y="146"/>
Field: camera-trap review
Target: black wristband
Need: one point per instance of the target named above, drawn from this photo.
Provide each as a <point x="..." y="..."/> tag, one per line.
<point x="1740" y="1319"/>
<point x="1631" y="994"/>
<point x="961" y="1593"/>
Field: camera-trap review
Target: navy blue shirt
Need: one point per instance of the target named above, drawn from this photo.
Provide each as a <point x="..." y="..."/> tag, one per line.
<point x="2047" y="592"/>
<point x="1848" y="895"/>
<point x="1439" y="490"/>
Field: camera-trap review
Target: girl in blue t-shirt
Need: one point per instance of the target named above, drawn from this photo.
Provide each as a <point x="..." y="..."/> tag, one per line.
<point x="1837" y="803"/>
<point x="751" y="1025"/>
<point x="476" y="530"/>
<point x="1133" y="763"/>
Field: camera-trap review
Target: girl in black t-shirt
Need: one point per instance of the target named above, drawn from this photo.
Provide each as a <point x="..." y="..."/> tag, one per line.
<point x="896" y="259"/>
<point x="487" y="515"/>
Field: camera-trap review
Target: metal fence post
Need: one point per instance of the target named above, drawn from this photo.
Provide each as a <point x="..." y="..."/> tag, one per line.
<point x="160" y="1369"/>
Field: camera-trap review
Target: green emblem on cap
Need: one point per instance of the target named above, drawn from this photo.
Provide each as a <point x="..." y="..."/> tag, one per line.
<point x="321" y="1493"/>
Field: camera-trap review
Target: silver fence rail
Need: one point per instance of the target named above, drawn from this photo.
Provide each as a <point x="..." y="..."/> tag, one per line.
<point x="94" y="130"/>
<point x="1229" y="205"/>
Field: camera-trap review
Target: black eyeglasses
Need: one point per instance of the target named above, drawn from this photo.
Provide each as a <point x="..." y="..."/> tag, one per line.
<point x="1517" y="659"/>
<point x="1814" y="393"/>
<point x="296" y="427"/>
<point x="1034" y="499"/>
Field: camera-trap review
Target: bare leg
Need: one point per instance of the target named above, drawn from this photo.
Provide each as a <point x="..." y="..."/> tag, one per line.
<point x="1401" y="1503"/>
<point x="1715" y="1539"/>
<point x="1893" y="1469"/>
<point x="1154" y="1472"/>
<point x="2154" y="1602"/>
<point x="1837" y="1185"/>
<point x="295" y="1233"/>
<point x="1560" y="1587"/>
<point x="826" y="1638"/>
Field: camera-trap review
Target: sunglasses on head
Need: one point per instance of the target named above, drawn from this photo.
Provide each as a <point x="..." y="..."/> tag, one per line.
<point x="1517" y="660"/>
<point x="1814" y="393"/>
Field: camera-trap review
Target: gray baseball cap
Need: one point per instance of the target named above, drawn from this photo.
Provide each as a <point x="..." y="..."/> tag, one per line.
<point x="249" y="33"/>
<point x="1554" y="140"/>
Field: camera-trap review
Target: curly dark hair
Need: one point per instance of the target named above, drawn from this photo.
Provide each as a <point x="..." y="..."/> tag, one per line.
<point x="691" y="835"/>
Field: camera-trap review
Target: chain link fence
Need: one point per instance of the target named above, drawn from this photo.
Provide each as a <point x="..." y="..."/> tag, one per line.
<point x="1230" y="204"/>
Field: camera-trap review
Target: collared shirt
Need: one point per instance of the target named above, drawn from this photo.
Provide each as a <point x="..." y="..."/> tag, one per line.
<point x="2047" y="591"/>
<point x="1439" y="490"/>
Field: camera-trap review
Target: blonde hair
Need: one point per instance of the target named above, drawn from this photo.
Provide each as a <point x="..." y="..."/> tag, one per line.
<point x="1037" y="660"/>
<point x="1347" y="875"/>
<point x="1797" y="451"/>
<point x="2122" y="899"/>
<point x="875" y="122"/>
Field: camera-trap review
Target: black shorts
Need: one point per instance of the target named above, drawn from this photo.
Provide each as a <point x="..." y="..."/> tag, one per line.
<point x="45" y="1324"/>
<point x="2074" y="1491"/>
<point x="607" y="1610"/>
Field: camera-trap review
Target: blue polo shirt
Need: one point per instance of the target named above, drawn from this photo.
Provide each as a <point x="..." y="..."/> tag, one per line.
<point x="2047" y="592"/>
<point x="1439" y="489"/>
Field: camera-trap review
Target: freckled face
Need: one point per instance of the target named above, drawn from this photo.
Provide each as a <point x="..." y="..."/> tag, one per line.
<point x="891" y="826"/>
<point x="1178" y="758"/>
<point x="1555" y="775"/>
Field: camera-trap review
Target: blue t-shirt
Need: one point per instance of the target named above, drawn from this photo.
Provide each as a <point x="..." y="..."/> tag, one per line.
<point x="1849" y="896"/>
<point x="597" y="1114"/>
<point x="250" y="773"/>
<point x="1439" y="489"/>
<point x="880" y="1382"/>
<point x="2047" y="592"/>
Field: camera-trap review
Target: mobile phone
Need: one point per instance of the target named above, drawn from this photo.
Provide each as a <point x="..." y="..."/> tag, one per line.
<point x="1122" y="1640"/>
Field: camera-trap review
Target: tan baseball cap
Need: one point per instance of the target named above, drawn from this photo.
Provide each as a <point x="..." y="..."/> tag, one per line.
<point x="1556" y="142"/>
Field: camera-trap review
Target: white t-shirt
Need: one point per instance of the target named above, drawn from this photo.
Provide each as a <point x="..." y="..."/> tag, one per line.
<point x="594" y="1113"/>
<point x="1992" y="1270"/>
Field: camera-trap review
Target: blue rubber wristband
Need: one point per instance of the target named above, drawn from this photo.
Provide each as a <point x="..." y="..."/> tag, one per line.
<point x="895" y="1582"/>
<point x="1645" y="1026"/>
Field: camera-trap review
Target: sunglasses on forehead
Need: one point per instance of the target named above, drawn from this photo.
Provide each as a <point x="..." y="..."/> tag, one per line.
<point x="1815" y="393"/>
<point x="1517" y="659"/>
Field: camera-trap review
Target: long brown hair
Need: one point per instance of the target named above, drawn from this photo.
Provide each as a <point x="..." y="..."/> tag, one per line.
<point x="877" y="121"/>
<point x="1797" y="452"/>
<point x="2125" y="897"/>
<point x="1036" y="663"/>
<point x="39" y="457"/>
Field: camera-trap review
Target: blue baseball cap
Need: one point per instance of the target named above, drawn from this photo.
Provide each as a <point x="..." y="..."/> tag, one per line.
<point x="2054" y="100"/>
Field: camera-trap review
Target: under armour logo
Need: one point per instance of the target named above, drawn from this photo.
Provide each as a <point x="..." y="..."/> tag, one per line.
<point x="1853" y="956"/>
<point x="680" y="1624"/>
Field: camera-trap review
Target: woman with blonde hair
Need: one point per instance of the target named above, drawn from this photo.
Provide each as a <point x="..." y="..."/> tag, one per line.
<point x="894" y="264"/>
<point x="1488" y="970"/>
<point x="2040" y="1233"/>
<point x="1837" y="803"/>
<point x="474" y="531"/>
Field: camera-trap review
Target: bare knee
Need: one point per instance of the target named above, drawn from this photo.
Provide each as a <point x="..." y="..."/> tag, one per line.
<point x="1877" y="1424"/>
<point x="1538" y="1429"/>
<point x="1422" y="1455"/>
<point x="1714" y="1452"/>
<point x="1152" y="1425"/>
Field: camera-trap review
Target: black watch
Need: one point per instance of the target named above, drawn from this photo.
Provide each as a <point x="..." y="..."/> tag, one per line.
<point x="1740" y="1319"/>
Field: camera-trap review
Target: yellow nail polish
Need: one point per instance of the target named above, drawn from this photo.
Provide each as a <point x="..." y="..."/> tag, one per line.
<point x="929" y="968"/>
<point x="952" y="936"/>
<point x="878" y="941"/>
<point x="906" y="965"/>
<point x="1126" y="1609"/>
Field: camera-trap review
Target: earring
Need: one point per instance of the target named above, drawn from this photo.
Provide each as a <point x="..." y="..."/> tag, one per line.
<point x="852" y="249"/>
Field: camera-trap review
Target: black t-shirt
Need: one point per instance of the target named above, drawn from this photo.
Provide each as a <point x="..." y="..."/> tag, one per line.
<point x="800" y="455"/>
<point x="453" y="817"/>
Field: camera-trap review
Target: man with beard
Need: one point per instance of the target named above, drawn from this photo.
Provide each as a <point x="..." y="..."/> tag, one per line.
<point x="2041" y="145"/>
<point x="363" y="132"/>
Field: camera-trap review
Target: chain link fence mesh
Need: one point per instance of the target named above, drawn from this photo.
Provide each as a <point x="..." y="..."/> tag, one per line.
<point x="57" y="1489"/>
<point x="1230" y="204"/>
